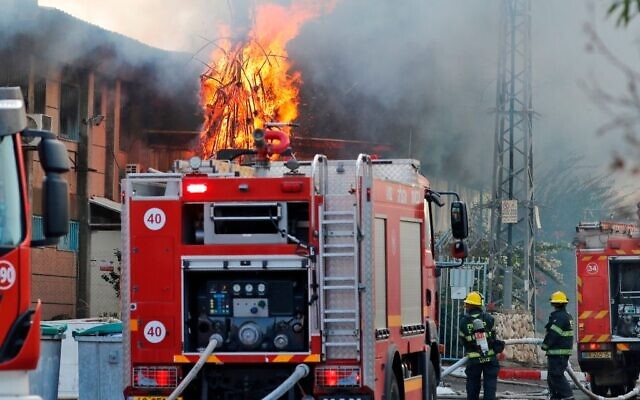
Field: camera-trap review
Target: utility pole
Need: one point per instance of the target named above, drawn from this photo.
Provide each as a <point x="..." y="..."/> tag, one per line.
<point x="512" y="216"/>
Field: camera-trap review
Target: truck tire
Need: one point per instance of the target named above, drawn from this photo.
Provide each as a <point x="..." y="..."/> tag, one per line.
<point x="431" y="391"/>
<point x="429" y="380"/>
<point x="394" y="390"/>
<point x="631" y="383"/>
<point x="597" y="389"/>
<point x="617" y="390"/>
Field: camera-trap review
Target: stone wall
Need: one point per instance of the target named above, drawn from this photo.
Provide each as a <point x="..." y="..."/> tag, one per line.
<point x="518" y="325"/>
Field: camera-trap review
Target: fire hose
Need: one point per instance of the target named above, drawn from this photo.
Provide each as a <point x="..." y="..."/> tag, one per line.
<point x="592" y="395"/>
<point x="570" y="371"/>
<point x="214" y="341"/>
<point x="300" y="372"/>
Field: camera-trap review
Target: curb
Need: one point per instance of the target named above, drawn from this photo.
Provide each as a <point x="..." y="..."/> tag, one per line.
<point x="523" y="374"/>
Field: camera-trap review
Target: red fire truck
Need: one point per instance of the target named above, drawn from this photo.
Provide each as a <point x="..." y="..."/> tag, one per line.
<point x="327" y="264"/>
<point x="608" y="291"/>
<point x="20" y="325"/>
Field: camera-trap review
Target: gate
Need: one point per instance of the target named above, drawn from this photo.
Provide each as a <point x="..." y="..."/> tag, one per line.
<point x="453" y="286"/>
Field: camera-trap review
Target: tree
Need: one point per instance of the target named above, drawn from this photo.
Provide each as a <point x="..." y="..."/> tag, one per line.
<point x="113" y="277"/>
<point x="623" y="109"/>
<point x="625" y="10"/>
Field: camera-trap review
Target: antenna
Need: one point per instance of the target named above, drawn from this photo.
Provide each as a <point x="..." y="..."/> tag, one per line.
<point x="512" y="217"/>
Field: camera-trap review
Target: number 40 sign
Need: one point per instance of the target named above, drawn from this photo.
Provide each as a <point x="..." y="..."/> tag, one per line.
<point x="154" y="219"/>
<point x="154" y="331"/>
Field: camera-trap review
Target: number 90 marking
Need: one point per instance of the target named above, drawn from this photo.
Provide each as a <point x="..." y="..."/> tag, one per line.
<point x="7" y="275"/>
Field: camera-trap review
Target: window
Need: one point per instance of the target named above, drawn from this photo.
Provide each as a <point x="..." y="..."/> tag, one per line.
<point x="39" y="96"/>
<point x="70" y="112"/>
<point x="70" y="242"/>
<point x="97" y="100"/>
<point x="11" y="207"/>
<point x="37" y="227"/>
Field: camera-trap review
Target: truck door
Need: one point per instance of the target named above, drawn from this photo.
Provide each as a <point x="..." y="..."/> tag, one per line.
<point x="625" y="296"/>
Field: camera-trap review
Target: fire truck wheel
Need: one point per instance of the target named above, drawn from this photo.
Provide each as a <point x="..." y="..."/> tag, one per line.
<point x="631" y="384"/>
<point x="617" y="390"/>
<point x="394" y="390"/>
<point x="598" y="389"/>
<point x="431" y="390"/>
<point x="429" y="383"/>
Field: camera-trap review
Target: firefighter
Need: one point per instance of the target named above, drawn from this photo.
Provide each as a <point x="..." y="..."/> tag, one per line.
<point x="481" y="346"/>
<point x="558" y="343"/>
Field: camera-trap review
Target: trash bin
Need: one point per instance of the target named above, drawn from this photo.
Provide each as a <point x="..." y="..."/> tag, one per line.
<point x="43" y="381"/>
<point x="100" y="362"/>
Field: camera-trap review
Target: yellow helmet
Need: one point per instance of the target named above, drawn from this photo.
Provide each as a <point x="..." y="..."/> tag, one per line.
<point x="559" y="298"/>
<point x="474" y="299"/>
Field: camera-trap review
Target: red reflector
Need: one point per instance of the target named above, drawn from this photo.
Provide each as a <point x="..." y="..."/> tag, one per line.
<point x="162" y="377"/>
<point x="196" y="188"/>
<point x="593" y="346"/>
<point x="291" y="187"/>
<point x="155" y="377"/>
<point x="331" y="377"/>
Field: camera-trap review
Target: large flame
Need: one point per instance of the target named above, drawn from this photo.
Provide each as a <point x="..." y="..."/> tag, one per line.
<point x="249" y="81"/>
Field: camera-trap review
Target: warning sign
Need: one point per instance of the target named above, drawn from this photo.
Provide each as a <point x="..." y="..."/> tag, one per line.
<point x="509" y="211"/>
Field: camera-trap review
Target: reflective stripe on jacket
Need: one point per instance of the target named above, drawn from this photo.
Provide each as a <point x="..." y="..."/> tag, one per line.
<point x="559" y="337"/>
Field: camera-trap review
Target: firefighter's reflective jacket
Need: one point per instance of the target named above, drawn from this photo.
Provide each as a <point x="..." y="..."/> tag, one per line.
<point x="467" y="334"/>
<point x="559" y="338"/>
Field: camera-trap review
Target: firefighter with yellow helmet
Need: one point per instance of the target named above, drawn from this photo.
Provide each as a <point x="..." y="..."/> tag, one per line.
<point x="558" y="343"/>
<point x="481" y="346"/>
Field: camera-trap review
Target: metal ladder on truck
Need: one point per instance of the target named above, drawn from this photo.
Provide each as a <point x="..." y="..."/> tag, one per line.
<point x="338" y="267"/>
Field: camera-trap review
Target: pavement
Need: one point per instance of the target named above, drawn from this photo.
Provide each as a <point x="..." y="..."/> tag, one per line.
<point x="515" y="381"/>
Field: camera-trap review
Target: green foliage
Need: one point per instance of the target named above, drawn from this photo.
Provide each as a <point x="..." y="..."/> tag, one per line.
<point x="625" y="10"/>
<point x="113" y="277"/>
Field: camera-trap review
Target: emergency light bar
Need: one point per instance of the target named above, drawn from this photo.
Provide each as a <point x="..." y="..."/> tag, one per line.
<point x="196" y="188"/>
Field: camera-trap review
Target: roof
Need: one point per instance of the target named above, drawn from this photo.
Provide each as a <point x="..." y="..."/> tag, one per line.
<point x="106" y="203"/>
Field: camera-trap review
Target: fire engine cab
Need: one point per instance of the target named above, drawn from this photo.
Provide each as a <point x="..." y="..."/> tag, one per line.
<point x="608" y="291"/>
<point x="326" y="264"/>
<point x="19" y="324"/>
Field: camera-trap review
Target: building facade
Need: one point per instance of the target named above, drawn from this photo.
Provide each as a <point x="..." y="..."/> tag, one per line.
<point x="102" y="94"/>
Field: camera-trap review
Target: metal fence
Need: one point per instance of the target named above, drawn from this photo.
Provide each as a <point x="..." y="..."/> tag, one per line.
<point x="453" y="286"/>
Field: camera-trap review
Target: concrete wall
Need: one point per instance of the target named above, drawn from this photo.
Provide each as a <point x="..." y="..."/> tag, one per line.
<point x="102" y="296"/>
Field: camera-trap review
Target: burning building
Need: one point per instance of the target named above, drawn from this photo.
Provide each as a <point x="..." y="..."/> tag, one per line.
<point x="250" y="81"/>
<point x="106" y="96"/>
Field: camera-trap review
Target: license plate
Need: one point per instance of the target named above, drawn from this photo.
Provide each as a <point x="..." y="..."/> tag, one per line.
<point x="153" y="398"/>
<point x="596" y="354"/>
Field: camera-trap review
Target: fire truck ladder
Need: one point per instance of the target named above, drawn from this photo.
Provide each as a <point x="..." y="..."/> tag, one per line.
<point x="339" y="277"/>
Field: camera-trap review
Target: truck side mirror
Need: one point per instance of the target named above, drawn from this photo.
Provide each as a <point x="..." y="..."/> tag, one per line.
<point x="53" y="156"/>
<point x="55" y="201"/>
<point x="459" y="221"/>
<point x="55" y="206"/>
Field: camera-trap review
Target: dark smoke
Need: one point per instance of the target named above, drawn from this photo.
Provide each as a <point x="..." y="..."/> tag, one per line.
<point x="417" y="75"/>
<point x="54" y="36"/>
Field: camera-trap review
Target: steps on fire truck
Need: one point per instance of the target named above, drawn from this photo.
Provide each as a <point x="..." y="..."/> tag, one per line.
<point x="340" y="318"/>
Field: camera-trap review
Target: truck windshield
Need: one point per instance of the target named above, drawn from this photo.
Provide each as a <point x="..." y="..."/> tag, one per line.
<point x="11" y="212"/>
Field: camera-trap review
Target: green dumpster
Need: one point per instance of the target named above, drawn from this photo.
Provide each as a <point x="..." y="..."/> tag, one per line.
<point x="100" y="362"/>
<point x="43" y="381"/>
